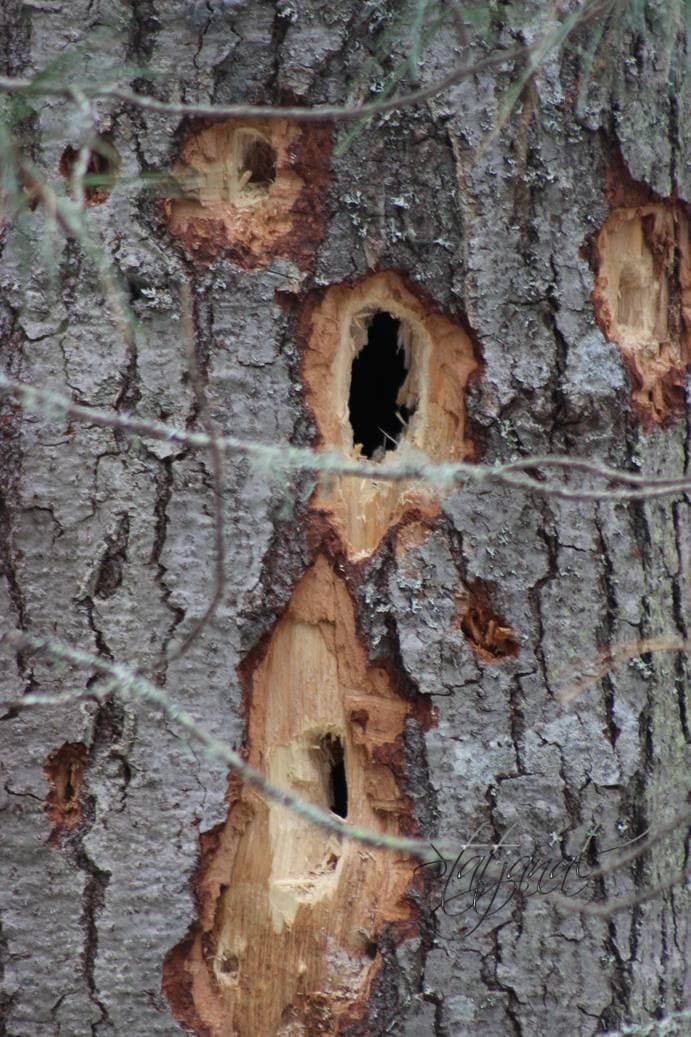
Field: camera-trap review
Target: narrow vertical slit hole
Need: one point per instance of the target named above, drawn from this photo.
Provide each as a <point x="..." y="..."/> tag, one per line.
<point x="379" y="370"/>
<point x="337" y="787"/>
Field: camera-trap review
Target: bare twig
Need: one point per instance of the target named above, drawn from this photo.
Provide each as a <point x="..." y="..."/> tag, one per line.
<point x="138" y="688"/>
<point x="291" y="458"/>
<point x="670" y="1026"/>
<point x="613" y="657"/>
<point x="317" y="113"/>
<point x="589" y="11"/>
<point x="640" y="848"/>
<point x="613" y="907"/>
<point x="578" y="464"/>
<point x="67" y="214"/>
<point x="320" y="113"/>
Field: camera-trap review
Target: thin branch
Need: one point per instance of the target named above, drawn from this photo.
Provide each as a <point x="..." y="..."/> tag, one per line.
<point x="578" y="464"/>
<point x="590" y="10"/>
<point x="67" y="214"/>
<point x="291" y="458"/>
<point x="317" y="113"/>
<point x="613" y="657"/>
<point x="136" y="687"/>
<point x="540" y="50"/>
<point x="613" y="907"/>
<point x="640" y="848"/>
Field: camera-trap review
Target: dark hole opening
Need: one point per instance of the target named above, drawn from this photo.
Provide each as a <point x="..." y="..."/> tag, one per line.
<point x="229" y="963"/>
<point x="100" y="173"/>
<point x="338" y="787"/>
<point x="378" y="373"/>
<point x="69" y="787"/>
<point x="259" y="160"/>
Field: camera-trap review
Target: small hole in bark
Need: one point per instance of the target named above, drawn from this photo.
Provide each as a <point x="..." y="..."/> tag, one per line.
<point x="229" y="964"/>
<point x="101" y="170"/>
<point x="378" y="373"/>
<point x="489" y="634"/>
<point x="338" y="787"/>
<point x="257" y="167"/>
<point x="371" y="949"/>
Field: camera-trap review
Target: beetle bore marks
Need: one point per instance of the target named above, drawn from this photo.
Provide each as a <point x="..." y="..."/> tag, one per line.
<point x="488" y="634"/>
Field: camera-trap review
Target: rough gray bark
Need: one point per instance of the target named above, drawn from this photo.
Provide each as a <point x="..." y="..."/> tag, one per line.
<point x="107" y="541"/>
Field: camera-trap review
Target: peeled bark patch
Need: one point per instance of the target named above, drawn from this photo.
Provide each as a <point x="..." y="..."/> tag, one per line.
<point x="642" y="301"/>
<point x="64" y="772"/>
<point x="253" y="189"/>
<point x="290" y="915"/>
<point x="385" y="377"/>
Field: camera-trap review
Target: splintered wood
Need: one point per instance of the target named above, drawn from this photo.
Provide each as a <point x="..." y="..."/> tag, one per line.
<point x="642" y="301"/>
<point x="290" y="916"/>
<point x="439" y="359"/>
<point x="252" y="189"/>
<point x="488" y="634"/>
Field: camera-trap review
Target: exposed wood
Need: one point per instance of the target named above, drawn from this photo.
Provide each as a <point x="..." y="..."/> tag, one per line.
<point x="290" y="917"/>
<point x="252" y="188"/>
<point x="642" y="300"/>
<point x="440" y="361"/>
<point x="64" y="772"/>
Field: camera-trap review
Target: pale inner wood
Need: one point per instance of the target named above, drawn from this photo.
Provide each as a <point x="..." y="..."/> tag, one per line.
<point x="440" y="360"/>
<point x="294" y="913"/>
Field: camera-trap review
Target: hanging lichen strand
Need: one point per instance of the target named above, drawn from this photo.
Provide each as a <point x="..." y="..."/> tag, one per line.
<point x="642" y="301"/>
<point x="290" y="917"/>
<point x="385" y="377"/>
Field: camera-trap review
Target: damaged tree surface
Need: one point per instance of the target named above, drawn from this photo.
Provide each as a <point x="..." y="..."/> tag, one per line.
<point x="495" y="274"/>
<point x="274" y="889"/>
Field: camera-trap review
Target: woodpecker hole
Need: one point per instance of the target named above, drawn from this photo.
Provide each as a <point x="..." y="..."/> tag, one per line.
<point x="101" y="170"/>
<point x="257" y="161"/>
<point x="487" y="632"/>
<point x="332" y="746"/>
<point x="64" y="772"/>
<point x="229" y="964"/>
<point x="378" y="416"/>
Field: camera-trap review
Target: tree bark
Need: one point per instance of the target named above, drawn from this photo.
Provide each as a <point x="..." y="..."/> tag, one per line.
<point x="468" y="662"/>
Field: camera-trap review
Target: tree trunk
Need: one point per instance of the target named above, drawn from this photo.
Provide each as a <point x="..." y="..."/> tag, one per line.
<point x="498" y="273"/>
